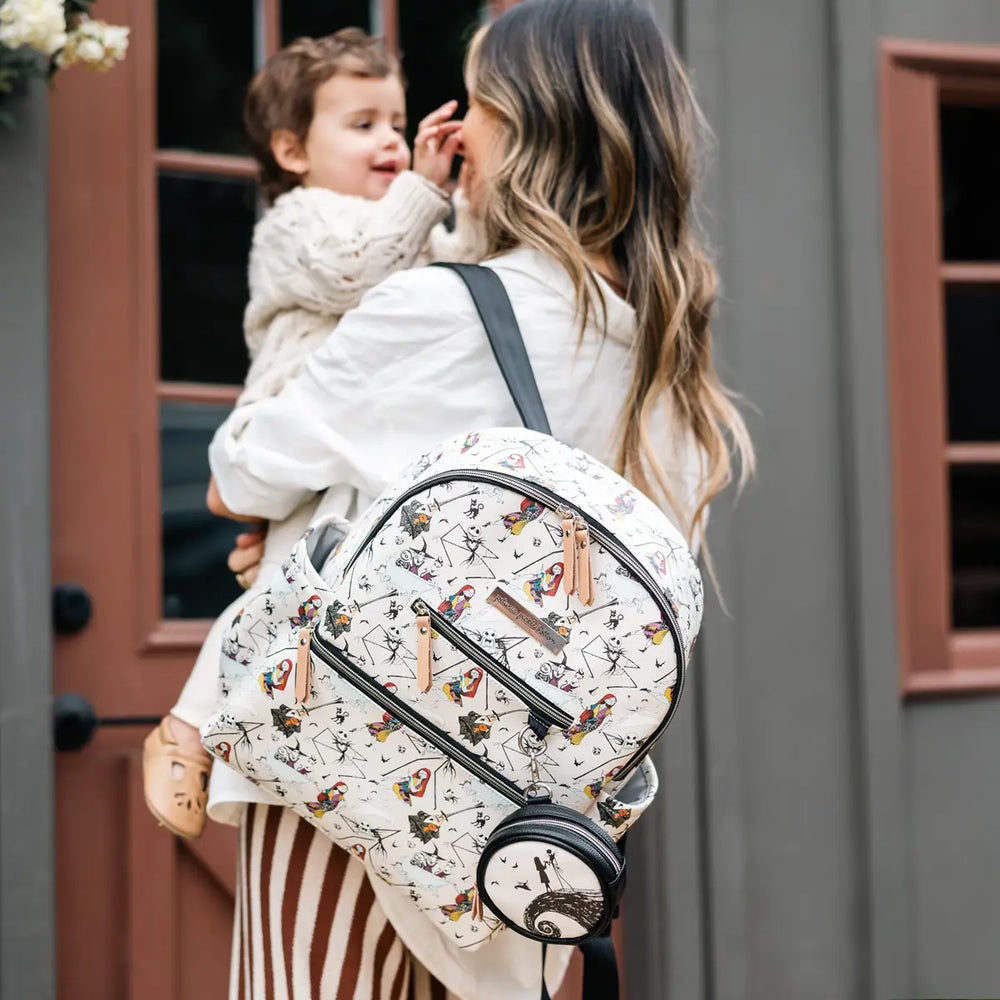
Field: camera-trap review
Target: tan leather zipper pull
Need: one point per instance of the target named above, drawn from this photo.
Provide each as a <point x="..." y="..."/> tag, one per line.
<point x="303" y="665"/>
<point x="425" y="666"/>
<point x="585" y="579"/>
<point x="569" y="556"/>
<point x="477" y="906"/>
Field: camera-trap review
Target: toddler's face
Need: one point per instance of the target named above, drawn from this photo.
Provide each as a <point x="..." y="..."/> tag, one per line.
<point x="355" y="143"/>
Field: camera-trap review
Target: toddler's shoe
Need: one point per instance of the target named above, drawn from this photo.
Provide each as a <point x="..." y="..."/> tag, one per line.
<point x="175" y="781"/>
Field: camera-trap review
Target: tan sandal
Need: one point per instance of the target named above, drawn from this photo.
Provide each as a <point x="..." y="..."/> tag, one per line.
<point x="175" y="783"/>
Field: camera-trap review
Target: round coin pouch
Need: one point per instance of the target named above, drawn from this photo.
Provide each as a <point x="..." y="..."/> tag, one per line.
<point x="551" y="874"/>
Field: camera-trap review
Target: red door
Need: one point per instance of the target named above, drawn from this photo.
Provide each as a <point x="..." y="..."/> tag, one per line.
<point x="140" y="913"/>
<point x="151" y="210"/>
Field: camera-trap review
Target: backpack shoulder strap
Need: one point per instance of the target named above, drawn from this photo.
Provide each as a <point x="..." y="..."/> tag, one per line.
<point x="494" y="308"/>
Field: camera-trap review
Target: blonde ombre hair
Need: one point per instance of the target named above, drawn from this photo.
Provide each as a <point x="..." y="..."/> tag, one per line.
<point x="598" y="133"/>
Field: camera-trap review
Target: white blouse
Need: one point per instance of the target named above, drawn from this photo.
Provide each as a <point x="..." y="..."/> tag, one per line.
<point x="410" y="367"/>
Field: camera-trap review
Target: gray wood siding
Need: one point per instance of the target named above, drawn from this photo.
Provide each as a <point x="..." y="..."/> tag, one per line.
<point x="776" y="675"/>
<point x="934" y="758"/>
<point x="844" y="841"/>
<point x="27" y="876"/>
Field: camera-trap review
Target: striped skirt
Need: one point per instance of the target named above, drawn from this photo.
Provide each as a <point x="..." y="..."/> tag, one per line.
<point x="307" y="924"/>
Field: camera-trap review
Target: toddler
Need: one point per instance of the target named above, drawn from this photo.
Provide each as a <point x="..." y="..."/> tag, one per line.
<point x="326" y="119"/>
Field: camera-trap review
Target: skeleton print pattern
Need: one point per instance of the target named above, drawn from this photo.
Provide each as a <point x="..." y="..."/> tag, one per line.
<point x="545" y="891"/>
<point x="572" y="700"/>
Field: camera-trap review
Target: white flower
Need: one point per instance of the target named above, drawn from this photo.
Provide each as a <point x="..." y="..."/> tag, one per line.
<point x="95" y="44"/>
<point x="116" y="41"/>
<point x="39" y="24"/>
<point x="89" y="50"/>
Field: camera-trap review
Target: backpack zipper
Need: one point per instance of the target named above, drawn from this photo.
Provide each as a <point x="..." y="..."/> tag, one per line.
<point x="584" y="574"/>
<point x="337" y="660"/>
<point x="569" y="551"/>
<point x="550" y="714"/>
<point x="556" y="503"/>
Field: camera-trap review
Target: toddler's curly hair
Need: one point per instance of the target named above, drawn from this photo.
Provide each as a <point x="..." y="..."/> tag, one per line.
<point x="282" y="93"/>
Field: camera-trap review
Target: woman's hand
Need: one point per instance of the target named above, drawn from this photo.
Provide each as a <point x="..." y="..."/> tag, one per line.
<point x="245" y="559"/>
<point x="436" y="144"/>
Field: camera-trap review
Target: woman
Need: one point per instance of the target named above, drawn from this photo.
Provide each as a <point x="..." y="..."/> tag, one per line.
<point x="579" y="150"/>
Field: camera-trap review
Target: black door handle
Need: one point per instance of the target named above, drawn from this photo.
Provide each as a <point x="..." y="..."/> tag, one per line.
<point x="74" y="721"/>
<point x="71" y="608"/>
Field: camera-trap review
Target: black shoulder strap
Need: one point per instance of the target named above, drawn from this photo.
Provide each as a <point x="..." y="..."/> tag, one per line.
<point x="498" y="318"/>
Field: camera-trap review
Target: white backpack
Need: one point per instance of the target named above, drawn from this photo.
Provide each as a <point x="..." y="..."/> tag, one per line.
<point x="463" y="691"/>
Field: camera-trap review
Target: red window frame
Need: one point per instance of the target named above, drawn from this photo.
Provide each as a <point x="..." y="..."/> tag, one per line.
<point x="917" y="78"/>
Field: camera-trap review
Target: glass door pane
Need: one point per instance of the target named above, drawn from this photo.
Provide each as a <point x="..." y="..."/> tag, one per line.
<point x="206" y="224"/>
<point x="196" y="581"/>
<point x="205" y="58"/>
<point x="432" y="41"/>
<point x="975" y="545"/>
<point x="970" y="166"/>
<point x="313" y="18"/>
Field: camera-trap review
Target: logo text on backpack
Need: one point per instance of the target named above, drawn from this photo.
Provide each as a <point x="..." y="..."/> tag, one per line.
<point x="541" y="631"/>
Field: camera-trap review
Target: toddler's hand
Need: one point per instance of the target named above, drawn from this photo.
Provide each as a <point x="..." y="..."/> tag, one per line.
<point x="436" y="144"/>
<point x="464" y="188"/>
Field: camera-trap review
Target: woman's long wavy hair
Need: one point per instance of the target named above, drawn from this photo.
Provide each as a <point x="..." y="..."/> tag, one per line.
<point x="598" y="156"/>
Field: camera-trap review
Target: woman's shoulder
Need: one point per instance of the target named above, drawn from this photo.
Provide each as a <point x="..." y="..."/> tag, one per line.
<point x="433" y="302"/>
<point x="409" y="311"/>
<point x="438" y="294"/>
<point x="440" y="283"/>
<point x="430" y="290"/>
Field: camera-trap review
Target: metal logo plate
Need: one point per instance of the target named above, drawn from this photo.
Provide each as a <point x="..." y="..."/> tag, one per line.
<point x="540" y="631"/>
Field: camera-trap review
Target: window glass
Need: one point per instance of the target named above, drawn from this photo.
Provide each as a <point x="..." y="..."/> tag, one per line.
<point x="973" y="338"/>
<point x="196" y="580"/>
<point x="206" y="225"/>
<point x="975" y="544"/>
<point x="970" y="166"/>
<point x="205" y="58"/>
<point x="432" y="39"/>
<point x="314" y="18"/>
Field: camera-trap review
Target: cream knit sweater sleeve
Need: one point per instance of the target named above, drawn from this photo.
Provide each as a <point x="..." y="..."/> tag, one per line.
<point x="321" y="251"/>
<point x="314" y="255"/>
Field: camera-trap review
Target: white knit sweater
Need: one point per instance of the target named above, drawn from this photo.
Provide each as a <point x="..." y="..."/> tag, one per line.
<point x="315" y="253"/>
